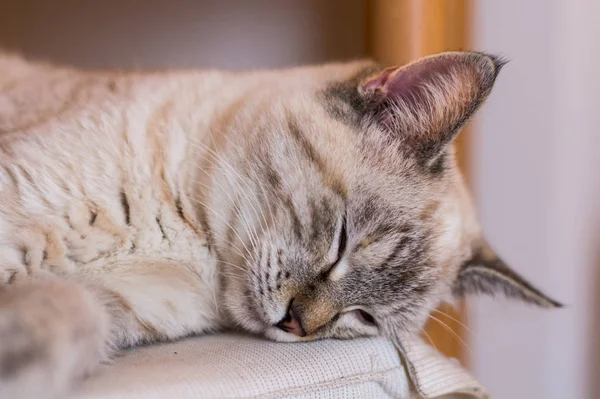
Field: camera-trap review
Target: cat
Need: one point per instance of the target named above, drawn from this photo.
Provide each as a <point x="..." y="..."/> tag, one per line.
<point x="298" y="204"/>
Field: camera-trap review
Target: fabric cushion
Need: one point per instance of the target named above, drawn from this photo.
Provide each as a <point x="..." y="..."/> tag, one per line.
<point x="237" y="366"/>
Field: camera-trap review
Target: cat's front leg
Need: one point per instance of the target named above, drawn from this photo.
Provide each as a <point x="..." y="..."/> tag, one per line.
<point x="52" y="332"/>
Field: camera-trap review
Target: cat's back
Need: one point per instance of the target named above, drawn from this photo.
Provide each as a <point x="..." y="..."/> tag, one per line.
<point x="91" y="166"/>
<point x="98" y="167"/>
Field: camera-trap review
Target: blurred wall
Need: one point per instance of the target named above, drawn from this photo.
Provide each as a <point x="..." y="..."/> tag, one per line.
<point x="536" y="175"/>
<point x="185" y="33"/>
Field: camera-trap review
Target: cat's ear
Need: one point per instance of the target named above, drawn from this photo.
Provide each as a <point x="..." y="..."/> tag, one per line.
<point x="425" y="103"/>
<point x="486" y="273"/>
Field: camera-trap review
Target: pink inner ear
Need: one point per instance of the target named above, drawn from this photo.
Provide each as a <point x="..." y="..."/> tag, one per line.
<point x="426" y="102"/>
<point x="406" y="83"/>
<point x="379" y="81"/>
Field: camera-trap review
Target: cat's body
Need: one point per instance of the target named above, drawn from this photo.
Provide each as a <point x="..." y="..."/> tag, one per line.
<point x="109" y="194"/>
<point x="138" y="207"/>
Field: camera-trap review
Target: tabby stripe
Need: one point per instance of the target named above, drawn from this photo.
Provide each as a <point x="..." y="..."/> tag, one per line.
<point x="162" y="230"/>
<point x="296" y="224"/>
<point x="320" y="225"/>
<point x="306" y="146"/>
<point x="202" y="219"/>
<point x="179" y="207"/>
<point x="126" y="209"/>
<point x="272" y="177"/>
<point x="13" y="177"/>
<point x="27" y="176"/>
<point x="334" y="182"/>
<point x="231" y="233"/>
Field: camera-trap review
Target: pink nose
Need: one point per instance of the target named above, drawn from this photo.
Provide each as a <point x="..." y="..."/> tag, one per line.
<point x="291" y="323"/>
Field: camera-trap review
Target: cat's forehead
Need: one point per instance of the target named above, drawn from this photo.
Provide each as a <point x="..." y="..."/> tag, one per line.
<point x="317" y="147"/>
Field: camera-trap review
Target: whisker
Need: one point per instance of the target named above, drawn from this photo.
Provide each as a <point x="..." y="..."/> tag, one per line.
<point x="216" y="156"/>
<point x="431" y="341"/>
<point x="223" y="219"/>
<point x="253" y="235"/>
<point x="456" y="321"/>
<point x="236" y="249"/>
<point x="244" y="180"/>
<point x="234" y="277"/>
<point x="263" y="191"/>
<point x="451" y="318"/>
<point x="232" y="265"/>
<point x="455" y="335"/>
<point x="233" y="203"/>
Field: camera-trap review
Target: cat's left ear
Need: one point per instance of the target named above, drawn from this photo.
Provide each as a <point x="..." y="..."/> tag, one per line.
<point x="424" y="104"/>
<point x="486" y="273"/>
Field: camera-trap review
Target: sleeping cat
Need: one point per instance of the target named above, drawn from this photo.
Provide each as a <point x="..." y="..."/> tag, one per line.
<point x="298" y="204"/>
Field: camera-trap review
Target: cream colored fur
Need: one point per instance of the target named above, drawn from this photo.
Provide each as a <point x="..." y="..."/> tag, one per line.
<point x="139" y="207"/>
<point x="70" y="143"/>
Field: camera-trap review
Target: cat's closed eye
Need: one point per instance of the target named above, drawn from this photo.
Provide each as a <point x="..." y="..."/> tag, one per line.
<point x="365" y="317"/>
<point x="342" y="239"/>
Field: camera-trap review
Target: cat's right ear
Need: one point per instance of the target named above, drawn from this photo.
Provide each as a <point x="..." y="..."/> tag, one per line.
<point x="486" y="273"/>
<point x="424" y="104"/>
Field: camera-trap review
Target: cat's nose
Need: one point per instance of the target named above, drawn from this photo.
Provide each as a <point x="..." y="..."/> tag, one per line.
<point x="291" y="322"/>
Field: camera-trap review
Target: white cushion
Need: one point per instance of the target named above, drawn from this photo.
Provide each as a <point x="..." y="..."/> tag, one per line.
<point x="237" y="366"/>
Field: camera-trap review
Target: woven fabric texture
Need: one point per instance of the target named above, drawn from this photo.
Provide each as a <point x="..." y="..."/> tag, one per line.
<point x="236" y="366"/>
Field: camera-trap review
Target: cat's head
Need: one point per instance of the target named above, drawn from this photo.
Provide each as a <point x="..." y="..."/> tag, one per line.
<point x="342" y="211"/>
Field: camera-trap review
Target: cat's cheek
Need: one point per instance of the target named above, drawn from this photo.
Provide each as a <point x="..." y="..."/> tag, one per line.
<point x="349" y="326"/>
<point x="239" y="311"/>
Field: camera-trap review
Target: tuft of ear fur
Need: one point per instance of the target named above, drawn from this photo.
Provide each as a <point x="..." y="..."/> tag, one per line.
<point x="486" y="273"/>
<point x="425" y="103"/>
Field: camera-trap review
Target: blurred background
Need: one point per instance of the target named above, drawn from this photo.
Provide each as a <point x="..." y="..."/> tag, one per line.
<point x="531" y="155"/>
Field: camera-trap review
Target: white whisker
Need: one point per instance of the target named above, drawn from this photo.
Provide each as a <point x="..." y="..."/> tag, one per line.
<point x="217" y="156"/>
<point x="431" y="341"/>
<point x="232" y="265"/>
<point x="456" y="321"/>
<point x="455" y="335"/>
<point x="233" y="203"/>
<point x="223" y="219"/>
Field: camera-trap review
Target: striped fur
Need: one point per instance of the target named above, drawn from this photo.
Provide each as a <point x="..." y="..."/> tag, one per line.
<point x="141" y="207"/>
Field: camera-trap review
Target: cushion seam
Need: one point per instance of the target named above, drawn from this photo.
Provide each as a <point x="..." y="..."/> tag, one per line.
<point x="337" y="382"/>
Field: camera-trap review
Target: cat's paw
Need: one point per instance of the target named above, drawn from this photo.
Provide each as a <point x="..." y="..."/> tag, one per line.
<point x="10" y="274"/>
<point x="52" y="332"/>
<point x="25" y="367"/>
